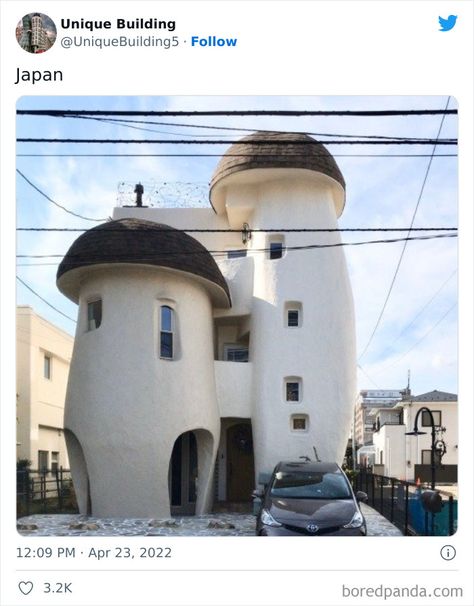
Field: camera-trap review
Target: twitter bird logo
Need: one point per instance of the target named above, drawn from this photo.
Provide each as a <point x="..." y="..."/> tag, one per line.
<point x="447" y="24"/>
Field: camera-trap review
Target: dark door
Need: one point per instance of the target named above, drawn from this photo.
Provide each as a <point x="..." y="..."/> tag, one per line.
<point x="240" y="463"/>
<point x="183" y="475"/>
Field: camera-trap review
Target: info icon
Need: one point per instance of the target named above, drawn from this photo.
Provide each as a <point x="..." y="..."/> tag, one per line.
<point x="36" y="33"/>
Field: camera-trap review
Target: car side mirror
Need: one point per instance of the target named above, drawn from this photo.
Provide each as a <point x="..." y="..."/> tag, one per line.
<point x="361" y="496"/>
<point x="258" y="493"/>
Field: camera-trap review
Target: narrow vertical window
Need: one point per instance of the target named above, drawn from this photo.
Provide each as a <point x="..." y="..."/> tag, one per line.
<point x="293" y="318"/>
<point x="293" y="389"/>
<point x="47" y="366"/>
<point x="43" y="460"/>
<point x="54" y="461"/>
<point x="94" y="314"/>
<point x="293" y="315"/>
<point x="166" y="331"/>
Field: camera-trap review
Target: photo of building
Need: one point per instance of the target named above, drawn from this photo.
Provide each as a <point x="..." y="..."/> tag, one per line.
<point x="36" y="33"/>
<point x="244" y="287"/>
<point x="228" y="365"/>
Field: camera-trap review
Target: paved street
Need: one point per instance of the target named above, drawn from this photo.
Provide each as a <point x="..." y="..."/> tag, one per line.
<point x="219" y="524"/>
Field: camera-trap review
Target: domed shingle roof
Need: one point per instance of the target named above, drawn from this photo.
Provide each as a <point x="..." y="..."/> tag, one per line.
<point x="140" y="242"/>
<point x="277" y="150"/>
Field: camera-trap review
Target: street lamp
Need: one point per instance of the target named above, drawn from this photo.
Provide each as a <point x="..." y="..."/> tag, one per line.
<point x="416" y="432"/>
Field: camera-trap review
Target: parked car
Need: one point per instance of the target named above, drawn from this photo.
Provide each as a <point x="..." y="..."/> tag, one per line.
<point x="306" y="498"/>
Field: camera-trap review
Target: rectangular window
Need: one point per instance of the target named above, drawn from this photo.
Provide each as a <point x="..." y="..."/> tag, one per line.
<point x="293" y="318"/>
<point x="47" y="366"/>
<point x="292" y="391"/>
<point x="276" y="250"/>
<point x="236" y="354"/>
<point x="426" y="457"/>
<point x="54" y="461"/>
<point x="94" y="314"/>
<point x="426" y="419"/>
<point x="166" y="331"/>
<point x="43" y="460"/>
<point x="299" y="422"/>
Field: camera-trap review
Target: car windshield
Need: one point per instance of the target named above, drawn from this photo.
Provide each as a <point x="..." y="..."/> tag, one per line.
<point x="310" y="485"/>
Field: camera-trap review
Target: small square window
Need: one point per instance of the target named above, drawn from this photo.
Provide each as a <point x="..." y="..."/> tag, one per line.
<point x="426" y="419"/>
<point x="276" y="250"/>
<point x="426" y="457"/>
<point x="47" y="366"/>
<point x="299" y="424"/>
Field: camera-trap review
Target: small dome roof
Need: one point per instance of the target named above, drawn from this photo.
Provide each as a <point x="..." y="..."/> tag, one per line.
<point x="277" y="150"/>
<point x="136" y="241"/>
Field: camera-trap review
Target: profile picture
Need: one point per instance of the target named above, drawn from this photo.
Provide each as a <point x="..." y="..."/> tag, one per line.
<point x="36" y="33"/>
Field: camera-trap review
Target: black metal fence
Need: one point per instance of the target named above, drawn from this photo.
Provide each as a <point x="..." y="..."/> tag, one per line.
<point x="45" y="491"/>
<point x="401" y="503"/>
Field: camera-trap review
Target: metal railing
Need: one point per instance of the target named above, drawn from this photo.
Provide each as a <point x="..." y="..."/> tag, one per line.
<point x="400" y="502"/>
<point x="45" y="491"/>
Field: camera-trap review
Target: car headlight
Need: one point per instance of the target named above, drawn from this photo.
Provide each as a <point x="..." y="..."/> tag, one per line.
<point x="356" y="522"/>
<point x="268" y="519"/>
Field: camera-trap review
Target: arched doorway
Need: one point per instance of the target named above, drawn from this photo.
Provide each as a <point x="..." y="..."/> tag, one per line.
<point x="240" y="463"/>
<point x="183" y="474"/>
<point x="79" y="473"/>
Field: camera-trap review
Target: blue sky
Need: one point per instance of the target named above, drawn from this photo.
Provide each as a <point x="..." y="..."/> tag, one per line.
<point x="418" y="330"/>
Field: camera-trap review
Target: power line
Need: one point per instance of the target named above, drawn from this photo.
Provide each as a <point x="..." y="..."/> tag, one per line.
<point x="56" y="203"/>
<point x="258" y="230"/>
<point x="433" y="297"/>
<point x="257" y="142"/>
<point x="365" y="373"/>
<point x="228" y="155"/>
<point x="44" y="300"/>
<point x="419" y="341"/>
<point x="131" y="124"/>
<point x="127" y="256"/>
<point x="406" y="242"/>
<point x="60" y="113"/>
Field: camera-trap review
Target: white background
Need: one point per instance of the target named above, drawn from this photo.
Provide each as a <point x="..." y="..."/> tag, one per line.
<point x="284" y="48"/>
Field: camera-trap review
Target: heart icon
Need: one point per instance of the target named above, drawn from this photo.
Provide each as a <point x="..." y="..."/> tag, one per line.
<point x="25" y="587"/>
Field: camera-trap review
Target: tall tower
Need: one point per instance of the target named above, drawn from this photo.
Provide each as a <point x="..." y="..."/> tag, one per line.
<point x="141" y="417"/>
<point x="302" y="336"/>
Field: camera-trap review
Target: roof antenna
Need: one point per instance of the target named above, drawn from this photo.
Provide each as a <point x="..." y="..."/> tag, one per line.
<point x="318" y="460"/>
<point x="139" y="191"/>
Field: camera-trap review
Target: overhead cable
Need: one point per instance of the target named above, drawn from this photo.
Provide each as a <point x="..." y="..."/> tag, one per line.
<point x="255" y="142"/>
<point x="420" y="195"/>
<point x="294" y="113"/>
<point x="44" y="300"/>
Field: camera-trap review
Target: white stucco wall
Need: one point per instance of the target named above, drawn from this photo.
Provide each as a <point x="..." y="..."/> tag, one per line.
<point x="125" y="405"/>
<point x="322" y="350"/>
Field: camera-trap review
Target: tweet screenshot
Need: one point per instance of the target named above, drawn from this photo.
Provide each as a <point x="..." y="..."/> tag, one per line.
<point x="237" y="303"/>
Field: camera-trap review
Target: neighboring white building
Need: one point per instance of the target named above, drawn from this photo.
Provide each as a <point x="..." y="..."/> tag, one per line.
<point x="402" y="455"/>
<point x="182" y="361"/>
<point x="43" y="358"/>
<point x="368" y="403"/>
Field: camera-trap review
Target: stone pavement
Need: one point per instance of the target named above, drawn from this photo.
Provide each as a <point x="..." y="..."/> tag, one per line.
<point x="217" y="524"/>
